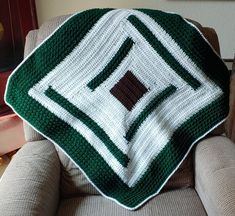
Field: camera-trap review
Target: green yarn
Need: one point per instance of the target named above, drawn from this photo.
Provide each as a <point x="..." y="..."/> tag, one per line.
<point x="167" y="92"/>
<point x="112" y="65"/>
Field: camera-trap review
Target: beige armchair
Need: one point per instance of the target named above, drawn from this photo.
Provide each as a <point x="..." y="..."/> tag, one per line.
<point x="41" y="180"/>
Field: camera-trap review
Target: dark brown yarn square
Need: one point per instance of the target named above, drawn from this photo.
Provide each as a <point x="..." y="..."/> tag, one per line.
<point x="128" y="90"/>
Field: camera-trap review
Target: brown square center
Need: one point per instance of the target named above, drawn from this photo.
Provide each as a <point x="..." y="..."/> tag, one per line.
<point x="128" y="90"/>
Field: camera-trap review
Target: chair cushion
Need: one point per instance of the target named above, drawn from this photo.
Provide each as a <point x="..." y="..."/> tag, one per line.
<point x="177" y="202"/>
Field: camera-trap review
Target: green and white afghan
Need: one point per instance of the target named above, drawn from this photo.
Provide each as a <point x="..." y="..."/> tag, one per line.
<point x="125" y="93"/>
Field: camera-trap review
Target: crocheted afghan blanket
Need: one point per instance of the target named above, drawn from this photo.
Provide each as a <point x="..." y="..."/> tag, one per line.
<point x="125" y="94"/>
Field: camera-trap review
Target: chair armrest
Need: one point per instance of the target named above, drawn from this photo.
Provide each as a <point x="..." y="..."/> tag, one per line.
<point x="215" y="175"/>
<point x="30" y="184"/>
<point x="30" y="134"/>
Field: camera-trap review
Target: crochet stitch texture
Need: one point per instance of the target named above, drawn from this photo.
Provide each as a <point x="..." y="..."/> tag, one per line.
<point x="125" y="94"/>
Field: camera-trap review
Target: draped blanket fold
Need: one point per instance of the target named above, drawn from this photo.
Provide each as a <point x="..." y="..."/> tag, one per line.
<point x="125" y="94"/>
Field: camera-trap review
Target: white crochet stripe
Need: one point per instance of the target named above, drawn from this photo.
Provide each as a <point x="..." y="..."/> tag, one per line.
<point x="171" y="45"/>
<point x="90" y="57"/>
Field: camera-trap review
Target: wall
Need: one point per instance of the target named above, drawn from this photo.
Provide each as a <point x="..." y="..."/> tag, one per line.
<point x="217" y="14"/>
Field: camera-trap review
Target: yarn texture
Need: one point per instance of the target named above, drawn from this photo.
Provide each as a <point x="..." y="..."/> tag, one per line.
<point x="125" y="94"/>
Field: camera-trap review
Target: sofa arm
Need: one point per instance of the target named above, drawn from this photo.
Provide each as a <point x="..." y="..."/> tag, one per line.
<point x="30" y="184"/>
<point x="215" y="175"/>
